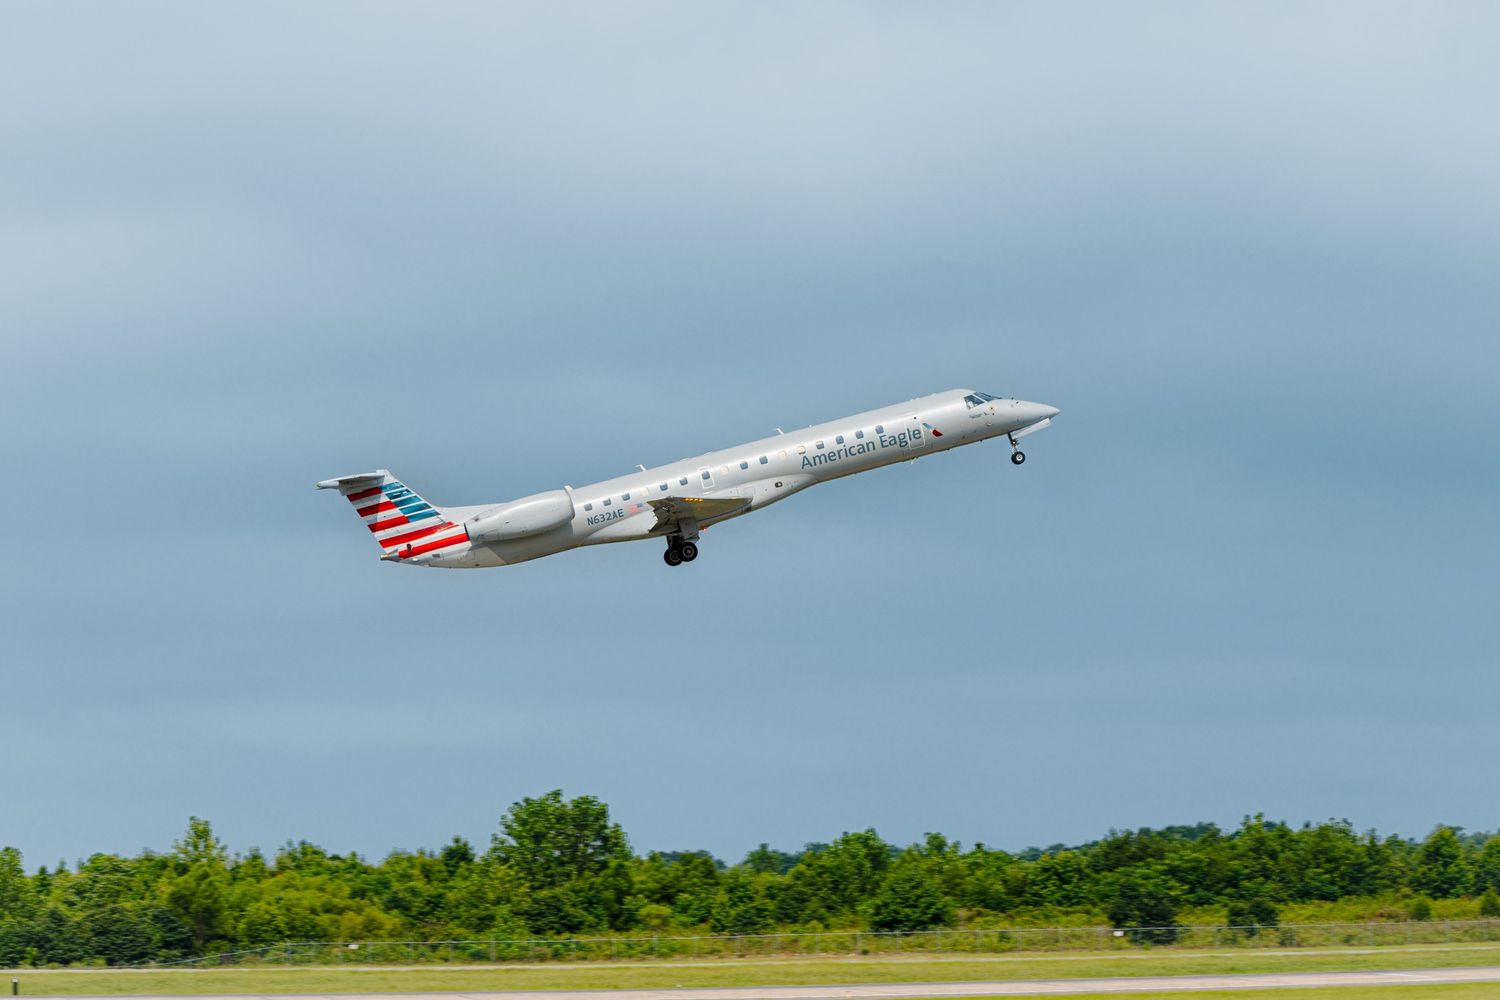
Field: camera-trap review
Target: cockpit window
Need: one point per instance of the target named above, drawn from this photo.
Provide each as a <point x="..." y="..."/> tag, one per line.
<point x="974" y="399"/>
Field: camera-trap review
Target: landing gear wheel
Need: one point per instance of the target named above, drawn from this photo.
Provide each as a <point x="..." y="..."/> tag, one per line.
<point x="688" y="551"/>
<point x="1017" y="457"/>
<point x="673" y="556"/>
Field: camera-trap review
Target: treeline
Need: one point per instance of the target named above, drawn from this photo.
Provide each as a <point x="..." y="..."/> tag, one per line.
<point x="561" y="867"/>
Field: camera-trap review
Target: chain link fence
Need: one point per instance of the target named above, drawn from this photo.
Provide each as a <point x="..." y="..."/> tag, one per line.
<point x="1374" y="934"/>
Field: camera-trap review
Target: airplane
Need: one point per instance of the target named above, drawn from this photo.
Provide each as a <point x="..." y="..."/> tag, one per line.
<point x="675" y="502"/>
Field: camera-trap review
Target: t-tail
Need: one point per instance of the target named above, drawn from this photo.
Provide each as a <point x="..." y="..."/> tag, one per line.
<point x="404" y="524"/>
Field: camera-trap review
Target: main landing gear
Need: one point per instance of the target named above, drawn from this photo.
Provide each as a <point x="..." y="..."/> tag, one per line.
<point x="1017" y="456"/>
<point x="680" y="552"/>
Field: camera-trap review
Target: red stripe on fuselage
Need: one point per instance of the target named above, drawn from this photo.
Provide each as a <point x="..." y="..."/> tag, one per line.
<point x="441" y="543"/>
<point x="354" y="497"/>
<point x="390" y="522"/>
<point x="375" y="508"/>
<point x="414" y="535"/>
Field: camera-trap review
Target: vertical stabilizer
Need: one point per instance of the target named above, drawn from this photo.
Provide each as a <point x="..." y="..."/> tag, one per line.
<point x="403" y="522"/>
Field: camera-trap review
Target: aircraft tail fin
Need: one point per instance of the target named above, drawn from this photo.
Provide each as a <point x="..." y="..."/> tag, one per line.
<point x="403" y="522"/>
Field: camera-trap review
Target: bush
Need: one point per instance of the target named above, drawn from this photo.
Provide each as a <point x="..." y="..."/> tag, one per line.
<point x="1489" y="903"/>
<point x="1252" y="915"/>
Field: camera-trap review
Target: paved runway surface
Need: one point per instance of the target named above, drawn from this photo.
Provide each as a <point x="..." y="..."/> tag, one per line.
<point x="896" y="991"/>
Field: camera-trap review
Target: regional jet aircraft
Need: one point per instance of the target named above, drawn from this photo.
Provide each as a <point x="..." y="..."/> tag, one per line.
<point x="674" y="502"/>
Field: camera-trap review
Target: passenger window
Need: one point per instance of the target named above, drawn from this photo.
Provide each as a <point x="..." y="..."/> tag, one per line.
<point x="744" y="465"/>
<point x="764" y="460"/>
<point x="880" y="428"/>
<point x="588" y="506"/>
<point x="802" y="449"/>
<point x="606" y="501"/>
<point x="682" y="481"/>
<point x="663" y="487"/>
<point x="624" y="496"/>
<point x="820" y="445"/>
<point x="781" y="455"/>
<point x="705" y="475"/>
<point x="839" y="439"/>
<point x="859" y="434"/>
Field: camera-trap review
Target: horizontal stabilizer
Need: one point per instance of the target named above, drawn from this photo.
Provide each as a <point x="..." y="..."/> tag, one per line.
<point x="332" y="484"/>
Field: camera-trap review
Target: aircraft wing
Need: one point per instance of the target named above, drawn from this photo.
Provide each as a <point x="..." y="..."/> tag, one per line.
<point x="674" y="511"/>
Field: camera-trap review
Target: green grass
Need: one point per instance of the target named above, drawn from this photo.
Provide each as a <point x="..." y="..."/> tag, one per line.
<point x="1454" y="991"/>
<point x="621" y="975"/>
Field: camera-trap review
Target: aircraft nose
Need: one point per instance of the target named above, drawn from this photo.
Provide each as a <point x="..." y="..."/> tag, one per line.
<point x="1032" y="412"/>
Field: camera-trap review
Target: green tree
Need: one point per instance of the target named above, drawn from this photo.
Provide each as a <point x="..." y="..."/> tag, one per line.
<point x="173" y="937"/>
<point x="457" y="854"/>
<point x="17" y="896"/>
<point x="57" y="937"/>
<point x="741" y="908"/>
<point x="484" y="898"/>
<point x="120" y="936"/>
<point x="910" y="900"/>
<point x="1487" y="866"/>
<point x="199" y="900"/>
<point x="1059" y="879"/>
<point x="1442" y="870"/>
<point x="261" y="924"/>
<point x="844" y="875"/>
<point x="1489" y="903"/>
<point x="550" y="842"/>
<point x="1143" y="903"/>
<point x="200" y="846"/>
<point x="557" y="911"/>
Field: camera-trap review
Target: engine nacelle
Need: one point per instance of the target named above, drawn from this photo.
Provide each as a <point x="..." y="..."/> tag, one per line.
<point x="520" y="518"/>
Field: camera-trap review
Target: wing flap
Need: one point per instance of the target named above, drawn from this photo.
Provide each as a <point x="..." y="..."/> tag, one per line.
<point x="671" y="512"/>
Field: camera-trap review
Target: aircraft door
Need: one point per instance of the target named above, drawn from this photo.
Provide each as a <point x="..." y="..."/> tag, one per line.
<point x="916" y="434"/>
<point x="705" y="480"/>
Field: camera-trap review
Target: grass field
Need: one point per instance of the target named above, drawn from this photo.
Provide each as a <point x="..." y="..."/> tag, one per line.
<point x="1457" y="991"/>
<point x="619" y="975"/>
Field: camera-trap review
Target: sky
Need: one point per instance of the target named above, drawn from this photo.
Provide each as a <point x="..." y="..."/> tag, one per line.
<point x="1252" y="251"/>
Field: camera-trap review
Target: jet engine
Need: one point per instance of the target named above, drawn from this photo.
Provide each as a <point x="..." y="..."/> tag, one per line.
<point x="528" y="516"/>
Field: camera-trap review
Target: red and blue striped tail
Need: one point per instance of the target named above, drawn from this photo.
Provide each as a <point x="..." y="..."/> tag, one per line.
<point x="403" y="522"/>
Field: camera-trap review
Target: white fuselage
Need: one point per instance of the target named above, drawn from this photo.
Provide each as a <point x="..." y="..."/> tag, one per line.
<point x="759" y="472"/>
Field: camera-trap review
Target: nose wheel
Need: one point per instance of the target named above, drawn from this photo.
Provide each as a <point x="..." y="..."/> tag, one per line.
<point x="677" y="554"/>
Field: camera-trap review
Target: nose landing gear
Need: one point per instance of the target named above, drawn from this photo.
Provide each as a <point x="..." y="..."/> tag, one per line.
<point x="1017" y="456"/>
<point x="679" y="552"/>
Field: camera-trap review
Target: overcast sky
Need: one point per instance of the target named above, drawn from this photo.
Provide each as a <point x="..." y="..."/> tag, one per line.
<point x="1252" y="251"/>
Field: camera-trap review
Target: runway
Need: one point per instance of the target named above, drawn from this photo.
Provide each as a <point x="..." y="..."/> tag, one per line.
<point x="898" y="991"/>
